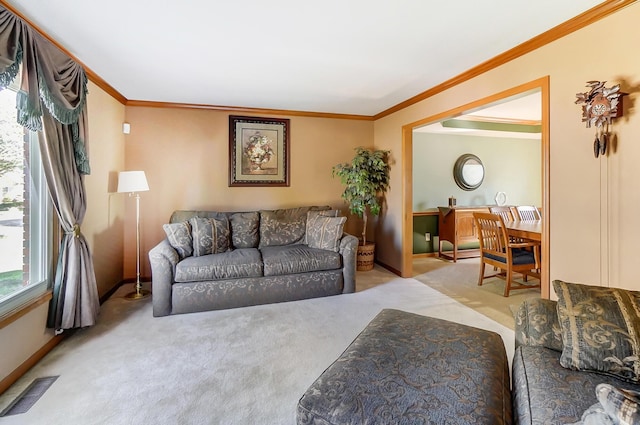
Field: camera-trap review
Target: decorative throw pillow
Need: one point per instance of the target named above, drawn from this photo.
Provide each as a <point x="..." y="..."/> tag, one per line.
<point x="325" y="232"/>
<point x="245" y="229"/>
<point x="623" y="406"/>
<point x="179" y="236"/>
<point x="600" y="329"/>
<point x="314" y="213"/>
<point x="210" y="235"/>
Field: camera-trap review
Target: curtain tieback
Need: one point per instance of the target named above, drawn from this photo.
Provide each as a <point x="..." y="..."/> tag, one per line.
<point x="75" y="231"/>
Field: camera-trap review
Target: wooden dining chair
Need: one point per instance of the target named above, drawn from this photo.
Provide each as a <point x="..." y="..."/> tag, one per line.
<point x="527" y="213"/>
<point x="498" y="251"/>
<point x="506" y="213"/>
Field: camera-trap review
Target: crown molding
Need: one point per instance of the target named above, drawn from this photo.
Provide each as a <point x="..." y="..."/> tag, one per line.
<point x="584" y="19"/>
<point x="262" y="111"/>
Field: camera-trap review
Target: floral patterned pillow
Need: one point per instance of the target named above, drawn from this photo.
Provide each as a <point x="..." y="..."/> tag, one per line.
<point x="600" y="329"/>
<point x="179" y="236"/>
<point x="312" y="214"/>
<point x="210" y="235"/>
<point x="325" y="232"/>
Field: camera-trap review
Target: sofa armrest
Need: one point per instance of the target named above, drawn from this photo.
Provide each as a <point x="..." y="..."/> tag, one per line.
<point x="349" y="251"/>
<point x="537" y="324"/>
<point x="163" y="259"/>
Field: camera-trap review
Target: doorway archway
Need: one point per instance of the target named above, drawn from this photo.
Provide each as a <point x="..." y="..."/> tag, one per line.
<point x="541" y="84"/>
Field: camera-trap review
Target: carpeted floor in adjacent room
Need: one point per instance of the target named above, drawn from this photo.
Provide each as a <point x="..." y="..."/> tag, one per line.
<point x="460" y="281"/>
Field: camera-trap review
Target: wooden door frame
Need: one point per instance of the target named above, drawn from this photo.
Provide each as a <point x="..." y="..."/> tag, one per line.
<point x="541" y="84"/>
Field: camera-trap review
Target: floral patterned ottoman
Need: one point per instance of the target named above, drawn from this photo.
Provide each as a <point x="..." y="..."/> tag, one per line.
<point x="404" y="368"/>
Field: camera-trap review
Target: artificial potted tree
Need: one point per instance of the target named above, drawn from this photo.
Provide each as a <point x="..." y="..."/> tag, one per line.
<point x="366" y="179"/>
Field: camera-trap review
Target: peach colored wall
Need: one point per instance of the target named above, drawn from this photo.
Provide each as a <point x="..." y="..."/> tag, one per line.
<point x="103" y="223"/>
<point x="102" y="227"/>
<point x="185" y="155"/>
<point x="593" y="225"/>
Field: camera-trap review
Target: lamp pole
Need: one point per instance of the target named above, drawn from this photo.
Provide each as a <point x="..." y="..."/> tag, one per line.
<point x="139" y="293"/>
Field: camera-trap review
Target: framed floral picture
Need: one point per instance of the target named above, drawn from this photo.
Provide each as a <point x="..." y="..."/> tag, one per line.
<point x="258" y="151"/>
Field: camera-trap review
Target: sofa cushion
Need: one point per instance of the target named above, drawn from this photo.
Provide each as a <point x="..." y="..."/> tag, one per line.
<point x="544" y="392"/>
<point x="179" y="236"/>
<point x="325" y="232"/>
<point x="600" y="329"/>
<point x="245" y="229"/>
<point x="298" y="258"/>
<point x="284" y="226"/>
<point x="244" y="262"/>
<point x="210" y="235"/>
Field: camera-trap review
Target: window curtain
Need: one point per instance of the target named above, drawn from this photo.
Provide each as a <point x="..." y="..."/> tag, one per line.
<point x="52" y="101"/>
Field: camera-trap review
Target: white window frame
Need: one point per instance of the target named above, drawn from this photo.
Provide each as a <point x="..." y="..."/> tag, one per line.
<point x="40" y="235"/>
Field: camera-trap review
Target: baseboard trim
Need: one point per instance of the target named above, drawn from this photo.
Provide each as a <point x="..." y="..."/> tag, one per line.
<point x="117" y="286"/>
<point x="30" y="362"/>
<point x="425" y="255"/>
<point x="388" y="267"/>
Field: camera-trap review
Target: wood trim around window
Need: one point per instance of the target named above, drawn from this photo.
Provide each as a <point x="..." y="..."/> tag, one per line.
<point x="13" y="315"/>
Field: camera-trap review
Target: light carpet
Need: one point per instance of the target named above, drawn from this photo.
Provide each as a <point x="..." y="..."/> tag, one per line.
<point x="460" y="281"/>
<point x="240" y="366"/>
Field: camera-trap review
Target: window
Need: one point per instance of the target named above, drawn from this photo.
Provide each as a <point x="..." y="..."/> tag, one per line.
<point x="25" y="212"/>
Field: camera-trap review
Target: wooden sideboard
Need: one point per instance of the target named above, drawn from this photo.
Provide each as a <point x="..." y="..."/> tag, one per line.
<point x="456" y="225"/>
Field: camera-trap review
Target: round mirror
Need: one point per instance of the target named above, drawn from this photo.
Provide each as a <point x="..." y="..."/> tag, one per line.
<point x="468" y="172"/>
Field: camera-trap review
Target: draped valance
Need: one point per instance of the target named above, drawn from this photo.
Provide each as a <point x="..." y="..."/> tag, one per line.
<point x="52" y="100"/>
<point x="49" y="77"/>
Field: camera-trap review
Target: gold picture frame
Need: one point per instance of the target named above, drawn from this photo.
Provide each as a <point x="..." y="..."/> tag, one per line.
<point x="258" y="151"/>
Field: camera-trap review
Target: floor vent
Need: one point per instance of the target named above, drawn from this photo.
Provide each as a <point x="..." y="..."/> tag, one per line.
<point x="28" y="397"/>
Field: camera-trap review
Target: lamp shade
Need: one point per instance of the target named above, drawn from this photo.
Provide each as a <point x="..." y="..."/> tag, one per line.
<point x="132" y="181"/>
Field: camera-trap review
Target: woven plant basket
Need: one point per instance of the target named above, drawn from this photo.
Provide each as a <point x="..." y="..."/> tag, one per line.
<point x="365" y="257"/>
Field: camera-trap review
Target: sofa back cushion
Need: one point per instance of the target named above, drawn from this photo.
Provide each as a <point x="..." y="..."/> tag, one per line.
<point x="600" y="329"/>
<point x="210" y="235"/>
<point x="284" y="226"/>
<point x="245" y="229"/>
<point x="186" y="215"/>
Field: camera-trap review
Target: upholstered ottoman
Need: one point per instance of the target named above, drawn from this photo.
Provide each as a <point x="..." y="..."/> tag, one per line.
<point x="404" y="368"/>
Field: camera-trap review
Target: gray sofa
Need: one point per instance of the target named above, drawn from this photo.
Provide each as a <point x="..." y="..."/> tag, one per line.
<point x="216" y="260"/>
<point x="545" y="392"/>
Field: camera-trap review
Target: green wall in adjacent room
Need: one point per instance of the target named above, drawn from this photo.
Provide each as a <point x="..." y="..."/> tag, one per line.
<point x="421" y="225"/>
<point x="511" y="165"/>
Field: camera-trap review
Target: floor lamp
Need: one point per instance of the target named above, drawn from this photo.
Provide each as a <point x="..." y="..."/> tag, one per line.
<point x="133" y="182"/>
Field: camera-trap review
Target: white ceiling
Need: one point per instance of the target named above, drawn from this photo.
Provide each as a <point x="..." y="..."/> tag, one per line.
<point x="336" y="56"/>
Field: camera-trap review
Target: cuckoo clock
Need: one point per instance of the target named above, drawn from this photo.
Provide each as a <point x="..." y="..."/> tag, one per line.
<point x="599" y="106"/>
